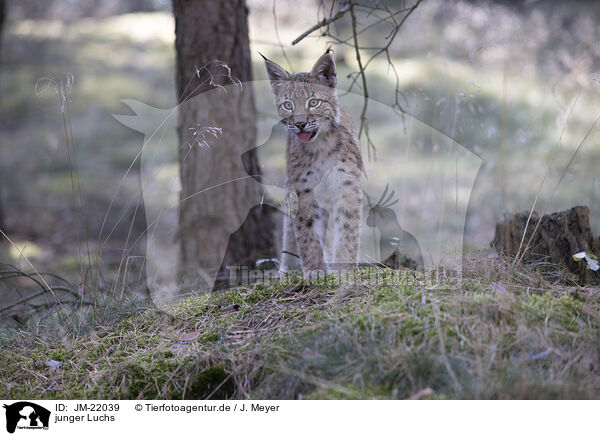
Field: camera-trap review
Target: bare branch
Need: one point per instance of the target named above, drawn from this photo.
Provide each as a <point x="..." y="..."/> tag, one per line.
<point x="323" y="23"/>
<point x="363" y="114"/>
<point x="394" y="32"/>
<point x="383" y="15"/>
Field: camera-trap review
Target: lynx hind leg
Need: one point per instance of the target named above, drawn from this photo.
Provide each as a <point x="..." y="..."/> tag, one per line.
<point x="290" y="258"/>
<point x="346" y="225"/>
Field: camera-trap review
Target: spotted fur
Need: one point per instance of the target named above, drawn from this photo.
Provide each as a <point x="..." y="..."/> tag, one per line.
<point x="324" y="169"/>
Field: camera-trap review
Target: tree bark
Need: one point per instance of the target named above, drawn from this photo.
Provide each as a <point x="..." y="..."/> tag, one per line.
<point x="206" y="31"/>
<point x="2" y="17"/>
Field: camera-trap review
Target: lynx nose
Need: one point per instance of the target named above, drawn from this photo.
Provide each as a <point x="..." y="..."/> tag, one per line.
<point x="300" y="124"/>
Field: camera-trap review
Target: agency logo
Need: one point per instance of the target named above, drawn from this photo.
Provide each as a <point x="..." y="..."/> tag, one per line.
<point x="26" y="415"/>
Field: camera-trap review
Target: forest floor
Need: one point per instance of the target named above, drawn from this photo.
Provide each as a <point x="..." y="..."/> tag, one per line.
<point x="384" y="334"/>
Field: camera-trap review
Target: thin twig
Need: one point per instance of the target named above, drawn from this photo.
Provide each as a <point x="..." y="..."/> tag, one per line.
<point x="363" y="114"/>
<point x="276" y="27"/>
<point x="323" y="23"/>
<point x="362" y="66"/>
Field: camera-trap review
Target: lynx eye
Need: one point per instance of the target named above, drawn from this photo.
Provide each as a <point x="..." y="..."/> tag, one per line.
<point x="287" y="105"/>
<point x="313" y="103"/>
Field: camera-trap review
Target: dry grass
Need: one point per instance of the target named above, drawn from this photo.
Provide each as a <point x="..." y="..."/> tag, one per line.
<point x="390" y="338"/>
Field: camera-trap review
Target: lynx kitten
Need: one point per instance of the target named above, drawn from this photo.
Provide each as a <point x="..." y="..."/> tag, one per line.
<point x="323" y="169"/>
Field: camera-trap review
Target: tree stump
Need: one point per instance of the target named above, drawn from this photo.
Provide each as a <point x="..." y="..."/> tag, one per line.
<point x="557" y="238"/>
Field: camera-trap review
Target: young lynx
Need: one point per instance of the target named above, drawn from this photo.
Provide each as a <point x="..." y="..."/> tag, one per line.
<point x="323" y="169"/>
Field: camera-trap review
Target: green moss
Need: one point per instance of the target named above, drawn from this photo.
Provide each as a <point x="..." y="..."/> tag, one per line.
<point x="547" y="308"/>
<point x="213" y="336"/>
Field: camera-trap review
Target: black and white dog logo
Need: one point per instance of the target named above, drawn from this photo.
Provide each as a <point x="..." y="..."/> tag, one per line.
<point x="26" y="415"/>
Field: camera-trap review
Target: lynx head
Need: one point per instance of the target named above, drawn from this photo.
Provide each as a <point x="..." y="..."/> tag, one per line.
<point x="306" y="102"/>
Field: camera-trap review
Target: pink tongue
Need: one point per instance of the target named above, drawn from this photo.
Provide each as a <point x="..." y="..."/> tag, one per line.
<point x="304" y="137"/>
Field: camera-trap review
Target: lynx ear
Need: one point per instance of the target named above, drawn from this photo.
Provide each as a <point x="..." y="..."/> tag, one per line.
<point x="324" y="70"/>
<point x="275" y="73"/>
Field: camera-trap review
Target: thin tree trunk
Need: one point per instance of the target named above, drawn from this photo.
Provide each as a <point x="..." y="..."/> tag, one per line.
<point x="2" y="17"/>
<point x="207" y="31"/>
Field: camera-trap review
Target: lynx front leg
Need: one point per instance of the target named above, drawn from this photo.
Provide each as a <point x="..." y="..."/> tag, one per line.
<point x="290" y="257"/>
<point x="346" y="225"/>
<point x="306" y="225"/>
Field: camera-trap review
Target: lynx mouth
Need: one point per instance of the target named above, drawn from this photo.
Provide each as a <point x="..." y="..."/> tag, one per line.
<point x="306" y="136"/>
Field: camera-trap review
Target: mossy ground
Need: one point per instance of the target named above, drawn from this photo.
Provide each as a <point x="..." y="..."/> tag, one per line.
<point x="394" y="338"/>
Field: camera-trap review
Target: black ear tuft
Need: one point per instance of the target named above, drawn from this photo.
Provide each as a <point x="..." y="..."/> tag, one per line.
<point x="324" y="70"/>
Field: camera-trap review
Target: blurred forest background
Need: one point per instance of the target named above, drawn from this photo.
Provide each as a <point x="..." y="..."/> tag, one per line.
<point x="515" y="82"/>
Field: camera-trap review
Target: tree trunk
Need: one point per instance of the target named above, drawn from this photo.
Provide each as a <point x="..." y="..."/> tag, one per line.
<point x="2" y="16"/>
<point x="206" y="31"/>
<point x="558" y="237"/>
